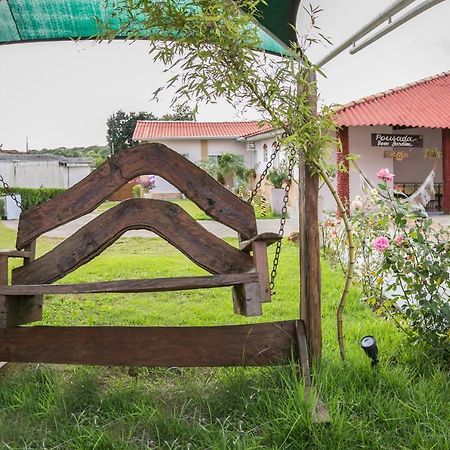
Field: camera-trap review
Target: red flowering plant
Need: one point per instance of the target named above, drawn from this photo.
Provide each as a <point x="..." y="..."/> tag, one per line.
<point x="402" y="263"/>
<point x="147" y="182"/>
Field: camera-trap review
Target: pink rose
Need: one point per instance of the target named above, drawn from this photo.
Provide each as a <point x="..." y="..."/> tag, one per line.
<point x="399" y="239"/>
<point x="385" y="175"/>
<point x="381" y="243"/>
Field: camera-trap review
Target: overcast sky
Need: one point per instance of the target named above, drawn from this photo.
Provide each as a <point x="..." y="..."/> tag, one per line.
<point x="60" y="94"/>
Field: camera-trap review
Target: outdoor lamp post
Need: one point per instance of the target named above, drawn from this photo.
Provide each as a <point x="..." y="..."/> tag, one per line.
<point x="369" y="345"/>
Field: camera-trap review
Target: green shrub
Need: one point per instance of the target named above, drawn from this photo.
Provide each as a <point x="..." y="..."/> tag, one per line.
<point x="32" y="197"/>
<point x="277" y="176"/>
<point x="137" y="191"/>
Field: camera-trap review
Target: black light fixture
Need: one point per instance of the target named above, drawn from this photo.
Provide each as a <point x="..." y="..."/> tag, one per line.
<point x="369" y="345"/>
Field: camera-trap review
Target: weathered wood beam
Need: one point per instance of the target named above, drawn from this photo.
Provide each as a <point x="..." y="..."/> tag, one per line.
<point x="237" y="345"/>
<point x="147" y="159"/>
<point x="310" y="279"/>
<point x="132" y="286"/>
<point x="166" y="219"/>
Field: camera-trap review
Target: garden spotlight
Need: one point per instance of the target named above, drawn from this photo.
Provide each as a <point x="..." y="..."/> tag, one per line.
<point x="369" y="345"/>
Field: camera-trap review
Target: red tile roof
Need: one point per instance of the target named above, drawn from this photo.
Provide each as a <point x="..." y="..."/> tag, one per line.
<point x="424" y="103"/>
<point x="150" y="130"/>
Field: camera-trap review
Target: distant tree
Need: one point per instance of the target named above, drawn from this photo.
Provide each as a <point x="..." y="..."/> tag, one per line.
<point x="97" y="153"/>
<point x="181" y="112"/>
<point x="120" y="128"/>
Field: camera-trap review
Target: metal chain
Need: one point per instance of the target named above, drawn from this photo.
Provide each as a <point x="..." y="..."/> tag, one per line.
<point x="7" y="190"/>
<point x="287" y="188"/>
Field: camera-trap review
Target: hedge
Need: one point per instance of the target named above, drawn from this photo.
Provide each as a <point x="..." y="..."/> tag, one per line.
<point x="32" y="197"/>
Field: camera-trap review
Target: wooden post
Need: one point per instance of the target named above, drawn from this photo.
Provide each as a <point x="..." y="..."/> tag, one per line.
<point x="310" y="283"/>
<point x="3" y="270"/>
<point x="18" y="310"/>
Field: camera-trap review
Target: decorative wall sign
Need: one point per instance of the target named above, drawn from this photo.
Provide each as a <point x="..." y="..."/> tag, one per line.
<point x="397" y="140"/>
<point x="432" y="153"/>
<point x="399" y="155"/>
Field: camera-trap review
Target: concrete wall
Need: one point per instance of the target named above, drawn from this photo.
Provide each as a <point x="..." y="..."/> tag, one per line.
<point x="35" y="174"/>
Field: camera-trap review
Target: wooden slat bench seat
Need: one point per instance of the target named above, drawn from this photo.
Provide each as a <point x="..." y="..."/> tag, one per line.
<point x="244" y="269"/>
<point x="132" y="286"/>
<point x="231" y="345"/>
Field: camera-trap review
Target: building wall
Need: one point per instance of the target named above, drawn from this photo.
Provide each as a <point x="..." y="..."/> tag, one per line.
<point x="414" y="168"/>
<point x="197" y="150"/>
<point x="35" y="174"/>
<point x="261" y="158"/>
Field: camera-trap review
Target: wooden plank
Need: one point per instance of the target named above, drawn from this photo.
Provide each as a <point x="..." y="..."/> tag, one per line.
<point x="15" y="253"/>
<point x="262" y="268"/>
<point x="247" y="299"/>
<point x="3" y="270"/>
<point x="19" y="310"/>
<point x="133" y="286"/>
<point x="30" y="248"/>
<point x="268" y="238"/>
<point x="303" y="354"/>
<point x="157" y="159"/>
<point x="238" y="345"/>
<point x="166" y="219"/>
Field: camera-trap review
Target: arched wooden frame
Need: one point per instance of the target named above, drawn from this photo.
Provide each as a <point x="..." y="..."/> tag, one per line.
<point x="147" y="159"/>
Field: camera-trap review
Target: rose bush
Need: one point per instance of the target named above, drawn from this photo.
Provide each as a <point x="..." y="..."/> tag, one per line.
<point x="402" y="263"/>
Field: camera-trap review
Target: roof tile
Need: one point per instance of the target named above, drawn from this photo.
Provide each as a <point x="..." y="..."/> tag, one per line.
<point x="153" y="129"/>
<point x="424" y="103"/>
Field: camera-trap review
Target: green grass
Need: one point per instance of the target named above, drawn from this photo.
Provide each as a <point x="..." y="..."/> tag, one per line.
<point x="402" y="405"/>
<point x="193" y="210"/>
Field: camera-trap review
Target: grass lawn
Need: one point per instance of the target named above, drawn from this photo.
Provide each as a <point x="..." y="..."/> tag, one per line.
<point x="193" y="210"/>
<point x="403" y="405"/>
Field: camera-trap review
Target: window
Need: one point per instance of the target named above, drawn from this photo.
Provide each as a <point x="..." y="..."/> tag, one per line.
<point x="265" y="153"/>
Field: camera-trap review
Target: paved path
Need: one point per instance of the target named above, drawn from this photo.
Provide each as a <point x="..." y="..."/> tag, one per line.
<point x="216" y="228"/>
<point x="264" y="225"/>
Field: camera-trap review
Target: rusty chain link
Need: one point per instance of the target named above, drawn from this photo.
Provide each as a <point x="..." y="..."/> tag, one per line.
<point x="7" y="190"/>
<point x="287" y="188"/>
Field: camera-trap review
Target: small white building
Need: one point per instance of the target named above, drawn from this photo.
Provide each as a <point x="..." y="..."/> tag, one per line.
<point x="198" y="141"/>
<point x="37" y="170"/>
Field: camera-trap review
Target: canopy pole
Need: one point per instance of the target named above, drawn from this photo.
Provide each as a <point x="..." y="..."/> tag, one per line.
<point x="310" y="282"/>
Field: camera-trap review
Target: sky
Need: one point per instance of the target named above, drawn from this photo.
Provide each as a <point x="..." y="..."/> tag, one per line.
<point x="61" y="94"/>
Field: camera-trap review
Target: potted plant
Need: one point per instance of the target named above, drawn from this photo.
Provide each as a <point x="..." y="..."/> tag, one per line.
<point x="276" y="178"/>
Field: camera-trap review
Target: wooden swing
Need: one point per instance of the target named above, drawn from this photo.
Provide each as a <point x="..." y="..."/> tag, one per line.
<point x="244" y="269"/>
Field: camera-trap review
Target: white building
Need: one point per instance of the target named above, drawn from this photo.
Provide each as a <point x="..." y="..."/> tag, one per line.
<point x="198" y="141"/>
<point x="36" y="170"/>
<point x="405" y="129"/>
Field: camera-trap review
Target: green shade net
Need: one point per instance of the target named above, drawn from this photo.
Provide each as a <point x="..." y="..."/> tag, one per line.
<point x="46" y="20"/>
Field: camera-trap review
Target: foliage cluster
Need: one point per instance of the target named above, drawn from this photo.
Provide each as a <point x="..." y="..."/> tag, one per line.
<point x="32" y="197"/>
<point x="210" y="47"/>
<point x="278" y="176"/>
<point x="97" y="153"/>
<point x="401" y="264"/>
<point x="121" y="125"/>
<point x="137" y="191"/>
<point x="147" y="182"/>
<point x="227" y="168"/>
